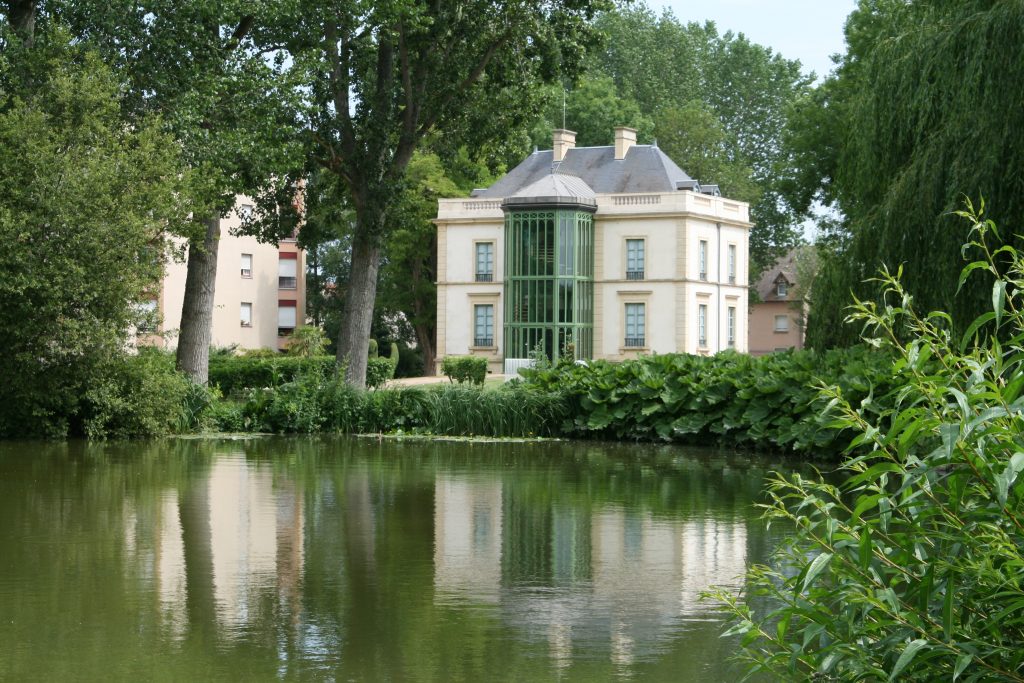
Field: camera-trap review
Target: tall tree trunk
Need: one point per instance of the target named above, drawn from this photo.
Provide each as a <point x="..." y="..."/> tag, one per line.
<point x="197" y="308"/>
<point x="354" y="336"/>
<point x="22" y="15"/>
<point x="425" y="338"/>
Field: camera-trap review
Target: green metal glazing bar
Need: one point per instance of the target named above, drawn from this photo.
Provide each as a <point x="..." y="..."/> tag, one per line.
<point x="549" y="267"/>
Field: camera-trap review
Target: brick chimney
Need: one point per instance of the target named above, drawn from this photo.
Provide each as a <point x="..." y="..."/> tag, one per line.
<point x="562" y="141"/>
<point x="624" y="139"/>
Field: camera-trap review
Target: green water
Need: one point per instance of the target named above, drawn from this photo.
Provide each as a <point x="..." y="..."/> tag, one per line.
<point x="363" y="560"/>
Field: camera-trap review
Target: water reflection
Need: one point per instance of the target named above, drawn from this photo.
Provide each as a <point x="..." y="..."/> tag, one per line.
<point x="348" y="559"/>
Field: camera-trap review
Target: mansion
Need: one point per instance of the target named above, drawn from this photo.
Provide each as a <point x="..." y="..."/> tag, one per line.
<point x="601" y="252"/>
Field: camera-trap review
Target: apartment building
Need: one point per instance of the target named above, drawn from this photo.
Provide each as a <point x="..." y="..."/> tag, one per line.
<point x="260" y="295"/>
<point x="603" y="252"/>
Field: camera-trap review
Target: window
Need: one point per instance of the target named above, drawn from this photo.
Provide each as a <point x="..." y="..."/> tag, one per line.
<point x="245" y="211"/>
<point x="702" y="259"/>
<point x="285" y="317"/>
<point x="247" y="314"/>
<point x="732" y="264"/>
<point x="781" y="288"/>
<point x="635" y="325"/>
<point x="147" y="317"/>
<point x="731" y="325"/>
<point x="782" y="323"/>
<point x="702" y="325"/>
<point x="485" y="261"/>
<point x="634" y="259"/>
<point x="246" y="265"/>
<point x="287" y="270"/>
<point x="483" y="325"/>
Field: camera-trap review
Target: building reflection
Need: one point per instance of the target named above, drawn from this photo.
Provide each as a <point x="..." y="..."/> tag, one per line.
<point x="250" y="535"/>
<point x="583" y="578"/>
<point x="230" y="559"/>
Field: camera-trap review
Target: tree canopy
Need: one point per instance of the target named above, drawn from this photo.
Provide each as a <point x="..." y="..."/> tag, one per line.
<point x="380" y="76"/>
<point x="74" y="180"/>
<point x="716" y="103"/>
<point x="924" y="111"/>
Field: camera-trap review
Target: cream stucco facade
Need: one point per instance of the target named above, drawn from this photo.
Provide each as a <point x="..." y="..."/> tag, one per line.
<point x="686" y="308"/>
<point x="260" y="293"/>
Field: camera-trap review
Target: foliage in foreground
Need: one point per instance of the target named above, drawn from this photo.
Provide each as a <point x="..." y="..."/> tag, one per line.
<point x="768" y="403"/>
<point x="85" y="206"/>
<point x="912" y="569"/>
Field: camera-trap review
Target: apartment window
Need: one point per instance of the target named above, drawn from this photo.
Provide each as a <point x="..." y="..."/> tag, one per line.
<point x="634" y="259"/>
<point x="245" y="211"/>
<point x="731" y="326"/>
<point x="287" y="271"/>
<point x="702" y="259"/>
<point x="636" y="324"/>
<point x="246" y="265"/>
<point x="286" y="319"/>
<point x="247" y="314"/>
<point x="781" y="288"/>
<point x="782" y="323"/>
<point x="483" y="325"/>
<point x="485" y="261"/>
<point x="702" y="325"/>
<point x="732" y="264"/>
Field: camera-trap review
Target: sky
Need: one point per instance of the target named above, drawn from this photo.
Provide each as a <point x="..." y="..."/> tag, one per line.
<point x="808" y="30"/>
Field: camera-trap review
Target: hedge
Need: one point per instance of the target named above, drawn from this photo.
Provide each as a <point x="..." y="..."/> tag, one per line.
<point x="233" y="374"/>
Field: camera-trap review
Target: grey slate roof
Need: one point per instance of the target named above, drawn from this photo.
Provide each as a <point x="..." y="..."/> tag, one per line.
<point x="785" y="269"/>
<point x="645" y="169"/>
<point x="554" y="188"/>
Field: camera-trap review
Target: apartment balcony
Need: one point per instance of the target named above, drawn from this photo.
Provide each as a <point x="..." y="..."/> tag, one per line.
<point x="287" y="282"/>
<point x="634" y="275"/>
<point x="483" y="341"/>
<point x="485" y="277"/>
<point x="635" y="342"/>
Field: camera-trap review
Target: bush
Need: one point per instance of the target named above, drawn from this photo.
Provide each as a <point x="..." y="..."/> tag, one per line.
<point x="137" y="396"/>
<point x="295" y="406"/>
<point x="463" y="369"/>
<point x="232" y="375"/>
<point x="769" y="403"/>
<point x="410" y="363"/>
<point x="910" y="570"/>
<point x="307" y="341"/>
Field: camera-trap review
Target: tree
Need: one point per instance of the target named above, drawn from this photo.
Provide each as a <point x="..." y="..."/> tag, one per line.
<point x="593" y="108"/>
<point x="86" y="204"/>
<point x="683" y="75"/>
<point x="207" y="69"/>
<point x="410" y="258"/>
<point x="382" y="75"/>
<point x="924" y="109"/>
<point x="693" y="137"/>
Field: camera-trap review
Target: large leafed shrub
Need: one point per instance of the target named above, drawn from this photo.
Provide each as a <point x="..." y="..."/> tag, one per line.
<point x="771" y="403"/>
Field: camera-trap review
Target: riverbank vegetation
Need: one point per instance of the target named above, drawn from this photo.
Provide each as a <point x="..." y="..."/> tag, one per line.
<point x="911" y="569"/>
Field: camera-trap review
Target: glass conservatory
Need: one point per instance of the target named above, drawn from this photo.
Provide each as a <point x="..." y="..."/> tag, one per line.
<point x="549" y="269"/>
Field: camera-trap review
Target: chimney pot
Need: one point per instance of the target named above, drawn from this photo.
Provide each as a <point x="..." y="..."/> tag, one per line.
<point x="562" y="141"/>
<point x="625" y="138"/>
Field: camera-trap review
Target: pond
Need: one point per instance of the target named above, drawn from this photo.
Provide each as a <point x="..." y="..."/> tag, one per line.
<point x="364" y="559"/>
